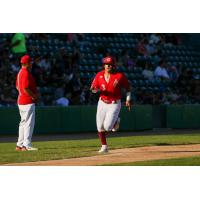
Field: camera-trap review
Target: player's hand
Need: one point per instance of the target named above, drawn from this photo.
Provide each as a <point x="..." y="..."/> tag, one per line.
<point x="35" y="97"/>
<point x="94" y="90"/>
<point x="128" y="105"/>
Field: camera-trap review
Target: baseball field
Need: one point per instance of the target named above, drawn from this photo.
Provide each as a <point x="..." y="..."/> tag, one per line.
<point x="171" y="148"/>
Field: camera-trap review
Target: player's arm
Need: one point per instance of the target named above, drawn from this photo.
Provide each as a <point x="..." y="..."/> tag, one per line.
<point x="30" y="93"/>
<point x="126" y="84"/>
<point x="17" y="87"/>
<point x="94" y="86"/>
<point x="128" y="98"/>
<point x="16" y="84"/>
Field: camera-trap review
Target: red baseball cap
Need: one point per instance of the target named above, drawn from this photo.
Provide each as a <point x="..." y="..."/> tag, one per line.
<point x="25" y="59"/>
<point x="108" y="60"/>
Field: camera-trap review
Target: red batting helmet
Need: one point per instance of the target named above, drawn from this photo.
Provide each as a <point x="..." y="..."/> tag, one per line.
<point x="25" y="59"/>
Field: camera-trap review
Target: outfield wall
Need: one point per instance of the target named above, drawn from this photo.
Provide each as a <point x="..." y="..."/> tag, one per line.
<point x="183" y="116"/>
<point x="82" y="118"/>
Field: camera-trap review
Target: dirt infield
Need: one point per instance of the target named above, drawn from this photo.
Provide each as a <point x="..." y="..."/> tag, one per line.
<point x="124" y="155"/>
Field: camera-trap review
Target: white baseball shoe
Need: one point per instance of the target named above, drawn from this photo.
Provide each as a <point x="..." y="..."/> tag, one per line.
<point x="29" y="149"/>
<point x="116" y="126"/>
<point x="104" y="149"/>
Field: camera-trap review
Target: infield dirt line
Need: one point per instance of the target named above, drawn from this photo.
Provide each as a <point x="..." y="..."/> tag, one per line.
<point x="123" y="156"/>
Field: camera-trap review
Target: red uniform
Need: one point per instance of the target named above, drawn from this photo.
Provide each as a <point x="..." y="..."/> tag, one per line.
<point x="110" y="92"/>
<point x="25" y="80"/>
<point x="110" y="83"/>
<point x="26" y="104"/>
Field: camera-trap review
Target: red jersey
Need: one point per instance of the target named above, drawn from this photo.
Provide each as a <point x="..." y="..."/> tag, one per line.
<point x="111" y="90"/>
<point x="25" y="80"/>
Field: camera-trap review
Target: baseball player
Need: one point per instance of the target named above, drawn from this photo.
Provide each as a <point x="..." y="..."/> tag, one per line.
<point x="109" y="82"/>
<point x="27" y="98"/>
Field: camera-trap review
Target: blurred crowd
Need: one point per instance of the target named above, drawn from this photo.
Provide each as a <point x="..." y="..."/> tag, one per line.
<point x="58" y="75"/>
<point x="172" y="83"/>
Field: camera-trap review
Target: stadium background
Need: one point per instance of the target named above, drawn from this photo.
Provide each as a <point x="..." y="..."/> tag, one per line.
<point x="64" y="65"/>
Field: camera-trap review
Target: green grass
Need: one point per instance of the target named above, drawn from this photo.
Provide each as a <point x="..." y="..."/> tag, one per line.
<point x="189" y="161"/>
<point x="53" y="150"/>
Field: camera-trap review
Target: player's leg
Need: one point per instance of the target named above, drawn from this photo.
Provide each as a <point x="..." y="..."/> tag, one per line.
<point x="116" y="125"/>
<point x="112" y="116"/>
<point x="29" y="126"/>
<point x="20" y="141"/>
<point x="100" y="116"/>
<point x="104" y="146"/>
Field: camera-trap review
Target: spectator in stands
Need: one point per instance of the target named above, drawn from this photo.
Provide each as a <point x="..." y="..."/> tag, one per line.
<point x="184" y="82"/>
<point x="183" y="98"/>
<point x="60" y="66"/>
<point x="172" y="39"/>
<point x="14" y="65"/>
<point x="4" y="64"/>
<point x="147" y="72"/>
<point x="148" y="97"/>
<point x="139" y="95"/>
<point x="76" y="88"/>
<point x="75" y="58"/>
<point x="44" y="63"/>
<point x="81" y="42"/>
<point x="174" y="96"/>
<point x="165" y="98"/>
<point x="155" y="38"/>
<point x="151" y="48"/>
<point x="84" y="96"/>
<point x="63" y="59"/>
<point x="195" y="90"/>
<point x="161" y="71"/>
<point x="126" y="60"/>
<point x="173" y="72"/>
<point x="59" y="91"/>
<point x="64" y="101"/>
<point x="18" y="44"/>
<point x="156" y="57"/>
<point x="37" y="71"/>
<point x="141" y="47"/>
<point x="7" y="98"/>
<point x="70" y="37"/>
<point x="47" y="99"/>
<point x="157" y="96"/>
<point x="57" y="73"/>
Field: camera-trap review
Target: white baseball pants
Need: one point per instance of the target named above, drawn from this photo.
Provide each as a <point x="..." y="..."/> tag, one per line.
<point x="107" y="115"/>
<point x="26" y="125"/>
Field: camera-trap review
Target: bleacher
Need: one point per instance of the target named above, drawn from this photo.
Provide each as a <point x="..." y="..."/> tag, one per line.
<point x="93" y="46"/>
<point x="185" y="56"/>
